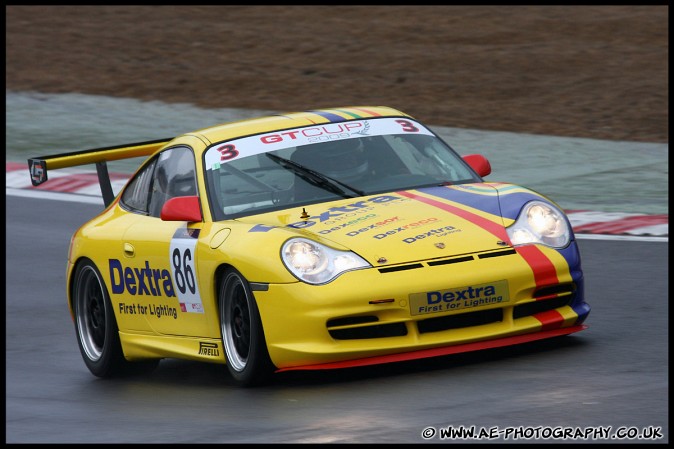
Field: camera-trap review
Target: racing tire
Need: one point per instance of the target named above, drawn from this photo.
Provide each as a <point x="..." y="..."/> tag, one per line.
<point x="96" y="327"/>
<point x="243" y="338"/>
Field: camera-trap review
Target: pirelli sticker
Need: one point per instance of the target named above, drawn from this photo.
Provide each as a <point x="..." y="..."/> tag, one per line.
<point x="469" y="297"/>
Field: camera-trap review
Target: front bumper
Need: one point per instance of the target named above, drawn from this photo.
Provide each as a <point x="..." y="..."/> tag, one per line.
<point x="371" y="316"/>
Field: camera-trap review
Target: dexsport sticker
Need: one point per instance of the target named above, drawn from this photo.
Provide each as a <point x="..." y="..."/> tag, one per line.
<point x="459" y="298"/>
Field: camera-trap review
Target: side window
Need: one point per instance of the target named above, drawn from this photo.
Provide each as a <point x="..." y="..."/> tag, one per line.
<point x="174" y="176"/>
<point x="137" y="193"/>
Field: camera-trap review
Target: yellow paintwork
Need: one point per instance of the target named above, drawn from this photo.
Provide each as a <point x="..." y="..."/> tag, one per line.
<point x="102" y="155"/>
<point x="297" y="322"/>
<point x="295" y="314"/>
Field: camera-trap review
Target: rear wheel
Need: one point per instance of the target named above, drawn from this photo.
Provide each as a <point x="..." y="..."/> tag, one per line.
<point x="242" y="333"/>
<point x="96" y="327"/>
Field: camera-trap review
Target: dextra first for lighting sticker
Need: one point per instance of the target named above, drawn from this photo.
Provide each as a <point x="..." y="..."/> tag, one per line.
<point x="459" y="298"/>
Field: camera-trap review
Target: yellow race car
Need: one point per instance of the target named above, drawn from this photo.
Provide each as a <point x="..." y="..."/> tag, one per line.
<point x="313" y="240"/>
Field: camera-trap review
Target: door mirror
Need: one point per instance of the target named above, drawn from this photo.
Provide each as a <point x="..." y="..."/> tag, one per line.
<point x="478" y="163"/>
<point x="182" y="208"/>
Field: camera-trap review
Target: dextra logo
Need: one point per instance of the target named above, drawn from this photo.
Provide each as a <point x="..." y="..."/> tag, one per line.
<point x="140" y="281"/>
<point x="335" y="212"/>
<point x="464" y="293"/>
<point x="314" y="132"/>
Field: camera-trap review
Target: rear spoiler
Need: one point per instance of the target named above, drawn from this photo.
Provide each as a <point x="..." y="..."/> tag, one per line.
<point x="38" y="166"/>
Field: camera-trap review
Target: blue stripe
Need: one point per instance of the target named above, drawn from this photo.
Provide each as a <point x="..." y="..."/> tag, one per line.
<point x="511" y="204"/>
<point x="330" y="116"/>
<point x="572" y="257"/>
<point x="484" y="203"/>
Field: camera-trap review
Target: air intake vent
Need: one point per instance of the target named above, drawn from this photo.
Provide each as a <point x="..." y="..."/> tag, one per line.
<point x="366" y="332"/>
<point x="532" y="308"/>
<point x="469" y="319"/>
<point x="507" y="252"/>
<point x="351" y="320"/>
<point x="448" y="261"/>
<point x="555" y="290"/>
<point x="411" y="266"/>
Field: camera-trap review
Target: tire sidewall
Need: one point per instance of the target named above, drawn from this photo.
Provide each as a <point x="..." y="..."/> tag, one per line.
<point x="258" y="366"/>
<point x="111" y="361"/>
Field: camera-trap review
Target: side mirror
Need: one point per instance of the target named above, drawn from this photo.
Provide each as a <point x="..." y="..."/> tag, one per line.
<point x="182" y="208"/>
<point x="478" y="163"/>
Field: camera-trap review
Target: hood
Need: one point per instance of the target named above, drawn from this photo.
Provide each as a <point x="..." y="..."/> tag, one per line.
<point x="401" y="227"/>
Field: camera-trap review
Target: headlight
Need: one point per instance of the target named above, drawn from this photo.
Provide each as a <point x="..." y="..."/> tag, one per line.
<point x="540" y="222"/>
<point x="317" y="264"/>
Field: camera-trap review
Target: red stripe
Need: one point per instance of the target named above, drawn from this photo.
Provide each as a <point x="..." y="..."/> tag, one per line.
<point x="70" y="183"/>
<point x="546" y="297"/>
<point x="13" y="166"/>
<point x="550" y="319"/>
<point x="543" y="269"/>
<point x="367" y="111"/>
<point x="545" y="272"/>
<point x="488" y="225"/>
<point x="435" y="352"/>
<point x="623" y="225"/>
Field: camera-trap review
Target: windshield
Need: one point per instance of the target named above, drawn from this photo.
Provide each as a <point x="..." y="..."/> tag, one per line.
<point x="318" y="163"/>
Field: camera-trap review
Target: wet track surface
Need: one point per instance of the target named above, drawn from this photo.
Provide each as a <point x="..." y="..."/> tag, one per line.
<point x="613" y="374"/>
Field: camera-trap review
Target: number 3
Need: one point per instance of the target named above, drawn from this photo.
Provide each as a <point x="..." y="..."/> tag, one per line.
<point x="228" y="152"/>
<point x="408" y="126"/>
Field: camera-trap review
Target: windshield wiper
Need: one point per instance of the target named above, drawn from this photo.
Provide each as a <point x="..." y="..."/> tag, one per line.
<point x="316" y="178"/>
<point x="246" y="177"/>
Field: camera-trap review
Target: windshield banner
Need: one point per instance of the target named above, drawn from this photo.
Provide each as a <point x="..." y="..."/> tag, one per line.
<point x="278" y="140"/>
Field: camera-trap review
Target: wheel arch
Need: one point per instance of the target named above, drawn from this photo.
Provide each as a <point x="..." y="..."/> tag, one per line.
<point x="218" y="275"/>
<point x="218" y="278"/>
<point x="70" y="281"/>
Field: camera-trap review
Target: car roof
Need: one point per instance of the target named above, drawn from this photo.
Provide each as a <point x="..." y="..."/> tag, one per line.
<point x="291" y="120"/>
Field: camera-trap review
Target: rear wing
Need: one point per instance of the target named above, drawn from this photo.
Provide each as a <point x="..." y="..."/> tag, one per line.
<point x="38" y="166"/>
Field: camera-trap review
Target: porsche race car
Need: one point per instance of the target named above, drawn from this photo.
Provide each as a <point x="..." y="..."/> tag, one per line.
<point x="322" y="239"/>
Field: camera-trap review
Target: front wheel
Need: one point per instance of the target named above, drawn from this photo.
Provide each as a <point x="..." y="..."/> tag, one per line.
<point x="96" y="327"/>
<point x="242" y="333"/>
